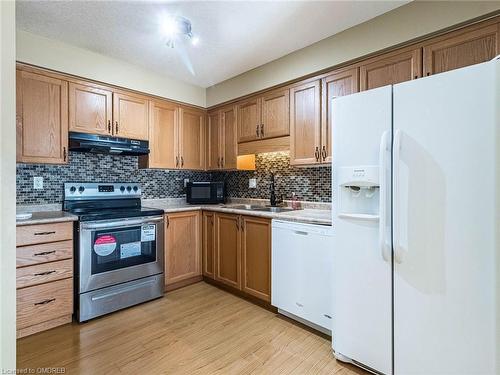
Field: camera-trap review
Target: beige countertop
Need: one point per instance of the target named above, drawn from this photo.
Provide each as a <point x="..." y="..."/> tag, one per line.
<point x="47" y="217"/>
<point x="306" y="215"/>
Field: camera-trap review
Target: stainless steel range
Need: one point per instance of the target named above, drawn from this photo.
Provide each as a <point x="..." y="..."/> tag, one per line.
<point x="119" y="247"/>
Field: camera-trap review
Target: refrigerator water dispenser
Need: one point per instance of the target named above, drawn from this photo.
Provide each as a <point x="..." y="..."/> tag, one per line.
<point x="359" y="192"/>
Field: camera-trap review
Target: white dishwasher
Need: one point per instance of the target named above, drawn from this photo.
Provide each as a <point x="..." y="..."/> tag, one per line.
<point x="302" y="272"/>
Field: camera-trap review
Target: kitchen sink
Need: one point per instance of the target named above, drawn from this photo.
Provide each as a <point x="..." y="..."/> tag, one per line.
<point x="253" y="207"/>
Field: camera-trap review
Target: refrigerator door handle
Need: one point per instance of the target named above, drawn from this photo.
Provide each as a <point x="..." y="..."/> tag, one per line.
<point x="383" y="196"/>
<point x="396" y="149"/>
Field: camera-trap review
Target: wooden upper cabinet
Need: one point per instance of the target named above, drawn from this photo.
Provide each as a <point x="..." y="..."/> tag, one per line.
<point x="90" y="109"/>
<point x="130" y="116"/>
<point x="163" y="129"/>
<point x="390" y="68"/>
<point x="256" y="256"/>
<point x="275" y="114"/>
<point x="213" y="140"/>
<point x="461" y="48"/>
<point x="339" y="83"/>
<point x="228" y="141"/>
<point x="228" y="249"/>
<point x="42" y="118"/>
<point x="208" y="244"/>
<point x="249" y="120"/>
<point x="305" y="123"/>
<point x="182" y="246"/>
<point x="192" y="139"/>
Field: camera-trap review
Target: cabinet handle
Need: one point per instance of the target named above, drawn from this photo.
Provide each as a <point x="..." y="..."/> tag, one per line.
<point x="257" y="130"/>
<point x="218" y="162"/>
<point x="242" y="225"/>
<point x="64" y="153"/>
<point x="182" y="161"/>
<point x="44" y="253"/>
<point x="238" y="223"/>
<point x="43" y="273"/>
<point x="323" y="153"/>
<point x="168" y="222"/>
<point x="45" y="301"/>
<point x="261" y="130"/>
<point x="177" y="161"/>
<point x="316" y="153"/>
<point x="44" y="233"/>
<point x="109" y="126"/>
<point x="116" y="127"/>
<point x="222" y="162"/>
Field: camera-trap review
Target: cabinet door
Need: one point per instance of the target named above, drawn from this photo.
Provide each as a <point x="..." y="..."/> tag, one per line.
<point x="228" y="249"/>
<point x="390" y="69"/>
<point x="339" y="83"/>
<point x="229" y="144"/>
<point x="192" y="139"/>
<point x="305" y="124"/>
<point x="213" y="140"/>
<point x="275" y="114"/>
<point x="461" y="48"/>
<point x="130" y="116"/>
<point x="256" y="257"/>
<point x="90" y="109"/>
<point x="182" y="246"/>
<point x="208" y="244"/>
<point x="42" y="118"/>
<point x="249" y="120"/>
<point x="163" y="134"/>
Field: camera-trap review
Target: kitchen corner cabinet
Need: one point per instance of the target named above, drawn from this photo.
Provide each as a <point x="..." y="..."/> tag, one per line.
<point x="256" y="257"/>
<point x="90" y="109"/>
<point x="191" y="139"/>
<point x="182" y="247"/>
<point x="461" y="48"/>
<point x="390" y="68"/>
<point x="222" y="147"/>
<point x="264" y="117"/>
<point x="208" y="244"/>
<point x="242" y="253"/>
<point x="41" y="118"/>
<point x="163" y="135"/>
<point x="339" y="83"/>
<point x="305" y="123"/>
<point x="130" y="116"/>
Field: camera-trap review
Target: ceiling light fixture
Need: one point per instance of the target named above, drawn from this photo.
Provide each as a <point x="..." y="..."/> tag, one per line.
<point x="173" y="27"/>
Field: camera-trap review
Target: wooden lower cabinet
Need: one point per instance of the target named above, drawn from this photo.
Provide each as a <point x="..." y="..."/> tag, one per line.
<point x="208" y="244"/>
<point x="44" y="277"/>
<point x="256" y="257"/>
<point x="182" y="247"/>
<point x="242" y="253"/>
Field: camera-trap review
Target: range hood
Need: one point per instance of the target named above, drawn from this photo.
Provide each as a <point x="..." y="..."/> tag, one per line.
<point x="101" y="144"/>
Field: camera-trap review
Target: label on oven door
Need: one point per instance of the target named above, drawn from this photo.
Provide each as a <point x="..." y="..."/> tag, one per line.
<point x="148" y="232"/>
<point x="104" y="245"/>
<point x="131" y="249"/>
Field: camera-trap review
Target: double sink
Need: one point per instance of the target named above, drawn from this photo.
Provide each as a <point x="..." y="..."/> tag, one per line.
<point x="254" y="207"/>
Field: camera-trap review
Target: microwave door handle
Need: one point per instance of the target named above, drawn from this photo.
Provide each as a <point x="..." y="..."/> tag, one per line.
<point x="121" y="223"/>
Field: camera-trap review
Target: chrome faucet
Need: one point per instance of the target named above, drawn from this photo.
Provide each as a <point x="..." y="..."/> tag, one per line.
<point x="273" y="199"/>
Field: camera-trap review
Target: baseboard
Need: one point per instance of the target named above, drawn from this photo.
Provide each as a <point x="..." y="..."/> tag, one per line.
<point x="183" y="283"/>
<point x="44" y="326"/>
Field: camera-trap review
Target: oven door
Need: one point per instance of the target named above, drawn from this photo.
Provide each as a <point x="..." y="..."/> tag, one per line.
<point x="117" y="251"/>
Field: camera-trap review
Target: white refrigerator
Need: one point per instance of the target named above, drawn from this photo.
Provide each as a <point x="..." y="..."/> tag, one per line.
<point x="416" y="216"/>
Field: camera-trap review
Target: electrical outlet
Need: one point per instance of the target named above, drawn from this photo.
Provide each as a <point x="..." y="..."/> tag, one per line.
<point x="186" y="180"/>
<point x="252" y="183"/>
<point x="37" y="182"/>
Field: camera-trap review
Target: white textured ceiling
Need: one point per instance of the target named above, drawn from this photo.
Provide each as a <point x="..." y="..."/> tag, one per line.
<point x="235" y="36"/>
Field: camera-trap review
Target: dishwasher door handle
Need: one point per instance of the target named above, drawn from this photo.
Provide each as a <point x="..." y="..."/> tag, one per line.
<point x="301" y="232"/>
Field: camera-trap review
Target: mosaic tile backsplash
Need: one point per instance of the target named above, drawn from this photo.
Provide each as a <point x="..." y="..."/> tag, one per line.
<point x="309" y="184"/>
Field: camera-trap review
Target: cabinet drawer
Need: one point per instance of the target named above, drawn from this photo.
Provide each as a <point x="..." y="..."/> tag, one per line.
<point x="41" y="303"/>
<point x="43" y="253"/>
<point x="43" y="233"/>
<point x="43" y="273"/>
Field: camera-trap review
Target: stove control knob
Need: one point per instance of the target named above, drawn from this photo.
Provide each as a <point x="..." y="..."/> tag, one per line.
<point x="122" y="189"/>
<point x="81" y="189"/>
<point x="136" y="188"/>
<point x="129" y="188"/>
<point x="72" y="189"/>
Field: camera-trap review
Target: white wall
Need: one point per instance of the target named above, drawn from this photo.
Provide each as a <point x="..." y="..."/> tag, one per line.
<point x="402" y="24"/>
<point x="7" y="187"/>
<point x="52" y="54"/>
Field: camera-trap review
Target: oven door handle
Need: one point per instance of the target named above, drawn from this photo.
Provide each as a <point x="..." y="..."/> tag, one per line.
<point x="122" y="223"/>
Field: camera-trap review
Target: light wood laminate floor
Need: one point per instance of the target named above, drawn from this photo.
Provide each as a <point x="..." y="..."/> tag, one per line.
<point x="199" y="329"/>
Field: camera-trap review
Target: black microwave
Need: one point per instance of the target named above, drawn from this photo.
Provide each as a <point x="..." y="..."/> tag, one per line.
<point x="206" y="192"/>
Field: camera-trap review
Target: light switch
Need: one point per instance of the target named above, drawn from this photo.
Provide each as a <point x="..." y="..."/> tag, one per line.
<point x="37" y="182"/>
<point x="186" y="180"/>
<point x="252" y="183"/>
